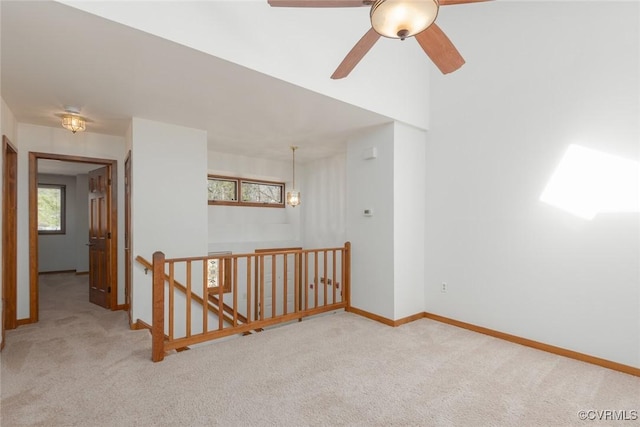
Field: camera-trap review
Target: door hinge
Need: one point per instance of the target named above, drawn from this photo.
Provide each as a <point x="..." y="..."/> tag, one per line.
<point x="109" y="181"/>
<point x="109" y="289"/>
<point x="108" y="234"/>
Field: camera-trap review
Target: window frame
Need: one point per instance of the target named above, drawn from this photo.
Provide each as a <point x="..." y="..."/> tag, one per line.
<point x="239" y="181"/>
<point x="63" y="208"/>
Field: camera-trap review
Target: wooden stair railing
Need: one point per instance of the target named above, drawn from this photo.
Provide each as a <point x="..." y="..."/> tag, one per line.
<point x="286" y="284"/>
<point x="214" y="303"/>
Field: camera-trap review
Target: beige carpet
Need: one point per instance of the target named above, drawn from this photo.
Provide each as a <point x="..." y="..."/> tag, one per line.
<point x="82" y="366"/>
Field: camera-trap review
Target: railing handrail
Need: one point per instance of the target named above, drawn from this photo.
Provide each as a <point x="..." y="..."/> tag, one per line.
<point x="252" y="254"/>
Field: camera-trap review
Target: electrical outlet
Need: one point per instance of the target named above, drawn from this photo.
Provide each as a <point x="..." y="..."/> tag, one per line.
<point x="443" y="289"/>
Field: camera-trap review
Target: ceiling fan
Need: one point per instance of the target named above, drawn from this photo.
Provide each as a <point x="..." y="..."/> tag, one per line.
<point x="396" y="19"/>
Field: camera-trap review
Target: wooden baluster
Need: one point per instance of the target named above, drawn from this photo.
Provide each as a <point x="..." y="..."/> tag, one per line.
<point x="205" y="295"/>
<point x="326" y="277"/>
<point x="284" y="297"/>
<point x="274" y="291"/>
<point x="249" y="289"/>
<point x="256" y="287"/>
<point x="306" y="280"/>
<point x="188" y="324"/>
<point x="172" y="291"/>
<point x="261" y="287"/>
<point x="235" y="291"/>
<point x="296" y="282"/>
<point x="316" y="282"/>
<point x="221" y="267"/>
<point x="334" y="285"/>
<point x="157" y="314"/>
<point x="346" y="268"/>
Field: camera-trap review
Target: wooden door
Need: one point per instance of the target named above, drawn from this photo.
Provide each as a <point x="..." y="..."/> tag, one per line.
<point x="127" y="235"/>
<point x="99" y="235"/>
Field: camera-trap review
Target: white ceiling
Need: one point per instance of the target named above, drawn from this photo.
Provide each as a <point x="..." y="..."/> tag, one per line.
<point x="53" y="55"/>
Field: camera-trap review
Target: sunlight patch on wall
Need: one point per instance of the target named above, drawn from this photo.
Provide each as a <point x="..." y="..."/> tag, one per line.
<point x="587" y="182"/>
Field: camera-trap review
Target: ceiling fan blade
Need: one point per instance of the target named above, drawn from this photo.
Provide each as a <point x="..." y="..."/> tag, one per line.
<point x="452" y="2"/>
<point x="356" y="54"/>
<point x="439" y="48"/>
<point x="318" y="3"/>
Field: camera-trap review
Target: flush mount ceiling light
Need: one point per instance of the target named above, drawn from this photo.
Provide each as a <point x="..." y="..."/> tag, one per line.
<point x="72" y="120"/>
<point x="396" y="19"/>
<point x="293" y="195"/>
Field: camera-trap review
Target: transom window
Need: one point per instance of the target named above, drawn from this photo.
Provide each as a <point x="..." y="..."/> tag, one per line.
<point x="224" y="190"/>
<point x="51" y="209"/>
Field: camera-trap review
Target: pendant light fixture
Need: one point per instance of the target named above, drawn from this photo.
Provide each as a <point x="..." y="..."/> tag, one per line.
<point x="72" y="120"/>
<point x="293" y="195"/>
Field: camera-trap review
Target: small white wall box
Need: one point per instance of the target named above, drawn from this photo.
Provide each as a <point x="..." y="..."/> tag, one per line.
<point x="370" y="153"/>
<point x="367" y="212"/>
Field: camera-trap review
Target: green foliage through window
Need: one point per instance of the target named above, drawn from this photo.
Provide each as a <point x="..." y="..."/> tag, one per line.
<point x="256" y="192"/>
<point x="51" y="209"/>
<point x="223" y="190"/>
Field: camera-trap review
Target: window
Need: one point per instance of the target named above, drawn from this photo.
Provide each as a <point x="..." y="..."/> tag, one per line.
<point x="224" y="190"/>
<point x="51" y="209"/>
<point x="219" y="273"/>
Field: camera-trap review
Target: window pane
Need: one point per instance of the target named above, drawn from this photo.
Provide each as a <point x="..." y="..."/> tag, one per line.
<point x="214" y="271"/>
<point x="222" y="189"/>
<point x="254" y="192"/>
<point x="51" y="208"/>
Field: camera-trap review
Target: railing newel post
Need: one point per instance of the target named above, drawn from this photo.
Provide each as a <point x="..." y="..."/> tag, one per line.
<point x="157" y="315"/>
<point x="347" y="276"/>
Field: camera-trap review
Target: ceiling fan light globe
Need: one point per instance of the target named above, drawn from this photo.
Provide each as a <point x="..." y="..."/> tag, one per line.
<point x="398" y="19"/>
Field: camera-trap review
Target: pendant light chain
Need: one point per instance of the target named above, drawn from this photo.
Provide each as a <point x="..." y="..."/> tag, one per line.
<point x="293" y="196"/>
<point x="293" y="149"/>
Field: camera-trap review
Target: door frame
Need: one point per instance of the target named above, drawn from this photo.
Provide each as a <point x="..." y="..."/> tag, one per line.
<point x="33" y="225"/>
<point x="128" y="259"/>
<point x="9" y="235"/>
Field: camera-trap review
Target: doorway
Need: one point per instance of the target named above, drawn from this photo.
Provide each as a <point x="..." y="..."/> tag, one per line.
<point x="106" y="271"/>
<point x="9" y="235"/>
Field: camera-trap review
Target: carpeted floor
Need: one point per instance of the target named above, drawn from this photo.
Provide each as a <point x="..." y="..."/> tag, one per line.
<point x="82" y="366"/>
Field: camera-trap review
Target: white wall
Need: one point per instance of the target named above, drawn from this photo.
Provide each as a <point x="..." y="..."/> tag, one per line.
<point x="8" y="122"/>
<point x="57" y="252"/>
<point x="408" y="219"/>
<point x="387" y="264"/>
<point x="324" y="202"/>
<point x="370" y="186"/>
<point x="60" y="141"/>
<point x="294" y="45"/>
<point x="242" y="229"/>
<point x="169" y="206"/>
<point x="500" y="128"/>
